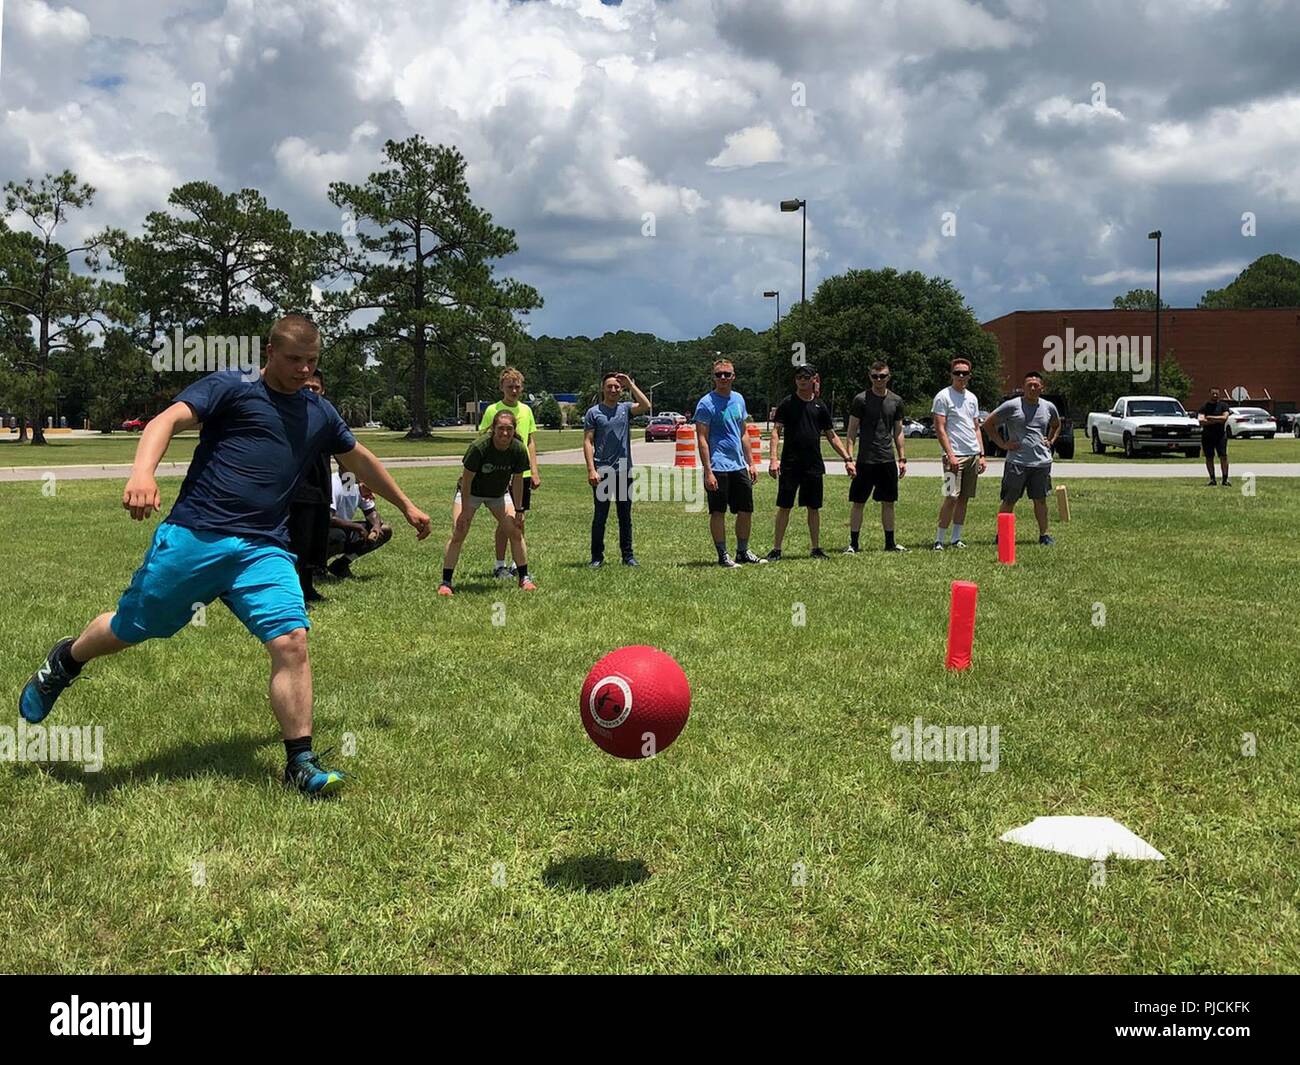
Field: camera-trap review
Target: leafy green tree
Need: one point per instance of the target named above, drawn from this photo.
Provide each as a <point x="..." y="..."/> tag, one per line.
<point x="1270" y="281"/>
<point x="38" y="290"/>
<point x="1138" y="299"/>
<point x="395" y="414"/>
<point x="426" y="270"/>
<point x="1086" y="392"/>
<point x="547" y="412"/>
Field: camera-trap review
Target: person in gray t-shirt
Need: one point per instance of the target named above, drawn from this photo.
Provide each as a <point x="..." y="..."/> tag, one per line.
<point x="1025" y="427"/>
<point x="607" y="446"/>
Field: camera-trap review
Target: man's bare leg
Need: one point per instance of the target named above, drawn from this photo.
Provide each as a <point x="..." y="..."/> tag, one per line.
<point x="97" y="640"/>
<point x="291" y="683"/>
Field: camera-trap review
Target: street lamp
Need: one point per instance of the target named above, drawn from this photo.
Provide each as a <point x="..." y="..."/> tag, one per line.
<point x="650" y="393"/>
<point x="370" y="403"/>
<point x="795" y="205"/>
<point x="768" y="295"/>
<point x="1155" y="235"/>
<point x="459" y="392"/>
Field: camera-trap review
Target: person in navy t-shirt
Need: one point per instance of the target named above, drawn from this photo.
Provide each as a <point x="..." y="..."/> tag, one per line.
<point x="226" y="537"/>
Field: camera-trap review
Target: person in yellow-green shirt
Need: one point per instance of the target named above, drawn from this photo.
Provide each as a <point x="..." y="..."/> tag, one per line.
<point x="512" y="387"/>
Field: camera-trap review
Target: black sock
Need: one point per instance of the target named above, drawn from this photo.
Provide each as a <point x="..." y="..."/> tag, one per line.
<point x="523" y="572"/>
<point x="853" y="538"/>
<point x="296" y="747"/>
<point x="446" y="576"/>
<point x="889" y="538"/>
<point x="69" y="665"/>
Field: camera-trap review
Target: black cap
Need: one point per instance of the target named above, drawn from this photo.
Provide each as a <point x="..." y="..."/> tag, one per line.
<point x="806" y="369"/>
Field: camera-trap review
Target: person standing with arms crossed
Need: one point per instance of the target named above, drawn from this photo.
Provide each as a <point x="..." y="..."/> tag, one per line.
<point x="878" y="413"/>
<point x="607" y="447"/>
<point x="1213" y="417"/>
<point x="729" y="476"/>
<point x="957" y="424"/>
<point x="512" y="387"/>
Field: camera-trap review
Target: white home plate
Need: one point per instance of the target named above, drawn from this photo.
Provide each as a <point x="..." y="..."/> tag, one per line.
<point x="1096" y="838"/>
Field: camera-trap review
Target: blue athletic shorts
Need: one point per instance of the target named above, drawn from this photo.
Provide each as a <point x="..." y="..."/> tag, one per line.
<point x="184" y="567"/>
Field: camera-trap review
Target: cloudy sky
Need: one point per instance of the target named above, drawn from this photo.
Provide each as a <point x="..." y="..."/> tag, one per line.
<point x="1056" y="134"/>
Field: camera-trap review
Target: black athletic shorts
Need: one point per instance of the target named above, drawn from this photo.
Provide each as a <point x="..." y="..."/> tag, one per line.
<point x="735" y="490"/>
<point x="1212" y="442"/>
<point x="880" y="476"/>
<point x="806" y="483"/>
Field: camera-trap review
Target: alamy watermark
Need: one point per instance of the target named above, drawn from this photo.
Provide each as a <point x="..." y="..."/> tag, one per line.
<point x="919" y="742"/>
<point x="653" y="484"/>
<point x="208" y="354"/>
<point x="54" y="743"/>
<point x="1084" y="354"/>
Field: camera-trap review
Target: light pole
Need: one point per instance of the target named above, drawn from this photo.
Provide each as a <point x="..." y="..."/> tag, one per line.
<point x="768" y="295"/>
<point x="1155" y="235"/>
<point x="650" y="394"/>
<point x="459" y="392"/>
<point x="796" y="205"/>
<point x="370" y="403"/>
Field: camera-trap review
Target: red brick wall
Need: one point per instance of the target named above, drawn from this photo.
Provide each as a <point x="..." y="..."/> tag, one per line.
<point x="1218" y="349"/>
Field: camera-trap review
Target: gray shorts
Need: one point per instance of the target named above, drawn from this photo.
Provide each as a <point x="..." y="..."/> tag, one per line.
<point x="1016" y="480"/>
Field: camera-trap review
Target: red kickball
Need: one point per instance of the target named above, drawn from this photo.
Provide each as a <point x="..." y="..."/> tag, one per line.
<point x="635" y="701"/>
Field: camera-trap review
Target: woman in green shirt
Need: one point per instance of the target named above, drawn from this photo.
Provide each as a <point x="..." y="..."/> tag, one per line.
<point x="492" y="476"/>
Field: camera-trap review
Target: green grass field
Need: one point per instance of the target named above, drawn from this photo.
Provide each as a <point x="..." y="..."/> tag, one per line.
<point x="484" y="831"/>
<point x="120" y="447"/>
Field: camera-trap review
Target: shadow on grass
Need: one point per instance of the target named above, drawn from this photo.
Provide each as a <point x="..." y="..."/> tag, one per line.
<point x="594" y="872"/>
<point x="233" y="758"/>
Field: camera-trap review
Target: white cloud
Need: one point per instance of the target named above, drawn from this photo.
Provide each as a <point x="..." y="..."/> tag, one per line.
<point x="1147" y="278"/>
<point x="1074" y="113"/>
<point x="749" y="147"/>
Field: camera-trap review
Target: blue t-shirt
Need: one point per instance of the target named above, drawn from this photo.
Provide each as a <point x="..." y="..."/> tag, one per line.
<point x="254" y="447"/>
<point x="612" y="436"/>
<point x="726" y="421"/>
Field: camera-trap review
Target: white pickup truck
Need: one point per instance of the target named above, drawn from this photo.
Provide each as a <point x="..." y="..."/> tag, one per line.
<point x="1145" y="423"/>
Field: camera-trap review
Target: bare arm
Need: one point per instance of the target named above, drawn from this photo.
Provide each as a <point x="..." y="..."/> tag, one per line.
<point x="941" y="431"/>
<point x="642" y="404"/>
<point x="852" y="431"/>
<point x="706" y="459"/>
<point x="774" y="451"/>
<point x="532" y="460"/>
<point x="365" y="467"/>
<point x="141" y="496"/>
<point x="589" y="453"/>
<point x="898" y="446"/>
<point x="1053" y="431"/>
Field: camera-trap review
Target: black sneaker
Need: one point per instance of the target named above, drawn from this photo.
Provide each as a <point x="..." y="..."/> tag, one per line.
<point x="850" y="550"/>
<point x="938" y="546"/>
<point x="727" y="562"/>
<point x="897" y="549"/>
<point x="595" y="563"/>
<point x="1226" y="482"/>
<point x="341" y="567"/>
<point x="774" y="555"/>
<point x="630" y="561"/>
<point x="960" y="545"/>
<point x="749" y="558"/>
<point x="1046" y="541"/>
<point x="45" y="685"/>
<point x="1211" y="483"/>
<point x="817" y="552"/>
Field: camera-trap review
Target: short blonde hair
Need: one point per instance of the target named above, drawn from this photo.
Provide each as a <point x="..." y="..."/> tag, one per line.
<point x="723" y="362"/>
<point x="511" y="374"/>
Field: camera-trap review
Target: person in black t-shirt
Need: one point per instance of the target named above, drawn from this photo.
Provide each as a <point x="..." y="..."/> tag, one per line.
<point x="1214" y="434"/>
<point x="798" y="467"/>
<point x="309" y="514"/>
<point x="877" y="414"/>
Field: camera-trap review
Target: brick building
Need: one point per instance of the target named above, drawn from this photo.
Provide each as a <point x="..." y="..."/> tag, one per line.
<point x="1258" y="350"/>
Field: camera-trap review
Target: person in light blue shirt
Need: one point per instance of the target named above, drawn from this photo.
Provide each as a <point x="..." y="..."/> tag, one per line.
<point x="729" y="475"/>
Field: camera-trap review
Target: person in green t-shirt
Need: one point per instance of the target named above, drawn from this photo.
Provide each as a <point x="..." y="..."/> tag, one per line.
<point x="512" y="387"/>
<point x="492" y="476"/>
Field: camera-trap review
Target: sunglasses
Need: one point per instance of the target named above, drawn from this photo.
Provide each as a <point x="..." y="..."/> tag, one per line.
<point x="961" y="373"/>
<point x="880" y="377"/>
<point x="723" y="374"/>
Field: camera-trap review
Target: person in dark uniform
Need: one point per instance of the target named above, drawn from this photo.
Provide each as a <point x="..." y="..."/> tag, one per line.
<point x="309" y="514"/>
<point x="1214" y="434"/>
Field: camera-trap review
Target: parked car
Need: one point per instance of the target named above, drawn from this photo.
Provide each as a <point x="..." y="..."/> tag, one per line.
<point x="680" y="419"/>
<point x="135" y="425"/>
<point x="661" y="427"/>
<point x="1250" y="421"/>
<point x="1140" y="424"/>
<point x="1064" y="446"/>
<point x="911" y="427"/>
<point x="1286" y="422"/>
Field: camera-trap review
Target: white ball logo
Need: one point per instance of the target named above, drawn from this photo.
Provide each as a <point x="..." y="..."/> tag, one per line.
<point x="600" y="696"/>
